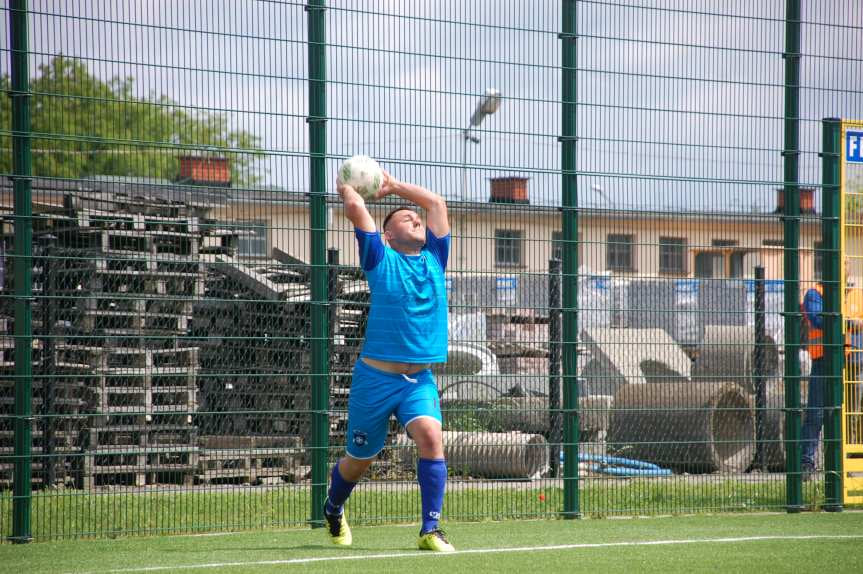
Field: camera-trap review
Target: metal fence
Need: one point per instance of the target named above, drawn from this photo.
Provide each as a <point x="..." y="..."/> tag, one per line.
<point x="633" y="229"/>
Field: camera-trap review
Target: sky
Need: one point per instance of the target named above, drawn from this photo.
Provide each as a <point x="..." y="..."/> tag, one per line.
<point x="680" y="102"/>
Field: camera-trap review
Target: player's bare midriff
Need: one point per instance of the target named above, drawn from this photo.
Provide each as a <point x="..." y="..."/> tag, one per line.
<point x="395" y="367"/>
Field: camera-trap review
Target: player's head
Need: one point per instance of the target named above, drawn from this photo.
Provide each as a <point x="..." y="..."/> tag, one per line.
<point x="404" y="229"/>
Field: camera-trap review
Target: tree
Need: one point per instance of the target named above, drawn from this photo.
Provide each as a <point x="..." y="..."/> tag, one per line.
<point x="84" y="126"/>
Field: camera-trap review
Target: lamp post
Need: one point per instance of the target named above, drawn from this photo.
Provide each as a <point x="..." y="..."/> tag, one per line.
<point x="485" y="107"/>
<point x="601" y="192"/>
<point x="488" y="105"/>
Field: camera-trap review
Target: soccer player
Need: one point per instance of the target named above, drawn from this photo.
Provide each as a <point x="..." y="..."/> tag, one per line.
<point x="406" y="332"/>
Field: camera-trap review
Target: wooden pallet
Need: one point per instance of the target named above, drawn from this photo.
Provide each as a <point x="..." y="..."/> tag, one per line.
<point x="61" y="405"/>
<point x="115" y="420"/>
<point x="63" y="461"/>
<point x="63" y="474"/>
<point x="128" y="359"/>
<point x="7" y="352"/>
<point x="79" y="263"/>
<point x="98" y="203"/>
<point x="137" y="304"/>
<point x="124" y="242"/>
<point x="141" y="435"/>
<point x="136" y="466"/>
<point x="91" y="213"/>
<point x="249" y="460"/>
<point x="131" y="323"/>
<point x="66" y="440"/>
<point x="146" y="400"/>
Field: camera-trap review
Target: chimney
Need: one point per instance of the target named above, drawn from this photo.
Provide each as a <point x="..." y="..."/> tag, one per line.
<point x="509" y="190"/>
<point x="807" y="200"/>
<point x="205" y="170"/>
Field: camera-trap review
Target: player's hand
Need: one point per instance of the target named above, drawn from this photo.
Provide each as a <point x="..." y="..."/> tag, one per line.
<point x="344" y="188"/>
<point x="388" y="187"/>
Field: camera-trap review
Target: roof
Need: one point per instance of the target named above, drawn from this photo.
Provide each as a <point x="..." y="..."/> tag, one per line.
<point x="214" y="197"/>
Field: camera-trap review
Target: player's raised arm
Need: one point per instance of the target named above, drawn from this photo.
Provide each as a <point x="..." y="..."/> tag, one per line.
<point x="437" y="219"/>
<point x="355" y="208"/>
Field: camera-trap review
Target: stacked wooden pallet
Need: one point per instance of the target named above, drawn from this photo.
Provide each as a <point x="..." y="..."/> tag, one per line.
<point x="115" y="292"/>
<point x="255" y="318"/>
<point x="139" y="403"/>
<point x="128" y="281"/>
<point x="250" y="459"/>
<point x="57" y="409"/>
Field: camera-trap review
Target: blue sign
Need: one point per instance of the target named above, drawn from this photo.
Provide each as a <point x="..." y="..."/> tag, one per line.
<point x="600" y="283"/>
<point x="506" y="283"/>
<point x="770" y="286"/>
<point x="854" y="146"/>
<point x="686" y="286"/>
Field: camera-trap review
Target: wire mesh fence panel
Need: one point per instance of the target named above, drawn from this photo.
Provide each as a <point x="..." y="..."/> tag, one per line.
<point x="620" y="205"/>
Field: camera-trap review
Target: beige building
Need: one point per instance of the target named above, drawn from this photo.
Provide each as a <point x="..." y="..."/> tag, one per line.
<point x="521" y="238"/>
<point x="507" y="235"/>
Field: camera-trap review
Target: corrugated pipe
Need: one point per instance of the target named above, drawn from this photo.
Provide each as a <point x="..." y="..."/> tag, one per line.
<point x="486" y="454"/>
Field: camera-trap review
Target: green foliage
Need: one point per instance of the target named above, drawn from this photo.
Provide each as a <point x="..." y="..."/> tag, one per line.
<point x="83" y="126"/>
<point x="472" y="417"/>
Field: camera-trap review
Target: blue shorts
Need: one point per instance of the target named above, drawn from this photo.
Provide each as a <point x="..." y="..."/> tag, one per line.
<point x="375" y="395"/>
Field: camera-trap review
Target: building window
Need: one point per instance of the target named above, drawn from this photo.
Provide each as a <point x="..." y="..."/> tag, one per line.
<point x="672" y="255"/>
<point x="507" y="247"/>
<point x="773" y="243"/>
<point x="252" y="239"/>
<point x="619" y="253"/>
<point x="819" y="260"/>
<point x="735" y="257"/>
<point x="736" y="265"/>
<point x="708" y="265"/>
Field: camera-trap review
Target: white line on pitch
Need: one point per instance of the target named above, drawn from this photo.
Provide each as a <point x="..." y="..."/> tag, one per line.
<point x="290" y="561"/>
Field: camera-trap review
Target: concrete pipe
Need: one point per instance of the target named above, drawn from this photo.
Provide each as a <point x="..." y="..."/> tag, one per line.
<point x="728" y="354"/>
<point x="690" y="427"/>
<point x="485" y="454"/>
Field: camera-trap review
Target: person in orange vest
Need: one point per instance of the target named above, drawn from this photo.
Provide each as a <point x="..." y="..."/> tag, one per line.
<point x="813" y="419"/>
<point x="812" y="307"/>
<point x="853" y="395"/>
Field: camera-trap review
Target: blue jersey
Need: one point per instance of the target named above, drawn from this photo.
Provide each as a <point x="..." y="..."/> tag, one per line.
<point x="408" y="315"/>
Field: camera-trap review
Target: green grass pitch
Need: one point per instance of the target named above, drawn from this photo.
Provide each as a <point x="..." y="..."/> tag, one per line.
<point x="808" y="542"/>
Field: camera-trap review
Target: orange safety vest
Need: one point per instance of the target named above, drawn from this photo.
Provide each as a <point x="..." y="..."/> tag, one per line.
<point x="815" y="343"/>
<point x="853" y="314"/>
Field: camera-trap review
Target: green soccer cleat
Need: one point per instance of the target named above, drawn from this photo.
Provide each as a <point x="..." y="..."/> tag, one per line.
<point x="435" y="541"/>
<point x="340" y="532"/>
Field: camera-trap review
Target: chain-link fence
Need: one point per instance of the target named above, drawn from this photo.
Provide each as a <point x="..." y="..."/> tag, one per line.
<point x="637" y="209"/>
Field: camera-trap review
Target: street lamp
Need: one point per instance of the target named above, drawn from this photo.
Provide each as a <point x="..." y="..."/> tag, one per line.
<point x="485" y="107"/>
<point x="601" y="192"/>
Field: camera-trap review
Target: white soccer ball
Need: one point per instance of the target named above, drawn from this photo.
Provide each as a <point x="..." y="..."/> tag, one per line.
<point x="363" y="174"/>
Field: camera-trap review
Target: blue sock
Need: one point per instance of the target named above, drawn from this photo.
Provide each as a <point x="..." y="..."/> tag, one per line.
<point x="340" y="490"/>
<point x="431" y="474"/>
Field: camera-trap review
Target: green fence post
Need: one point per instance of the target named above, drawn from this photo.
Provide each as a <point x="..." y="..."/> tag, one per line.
<point x="320" y="363"/>
<point x="791" y="216"/>
<point x="571" y="506"/>
<point x="23" y="264"/>
<point x="833" y="288"/>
